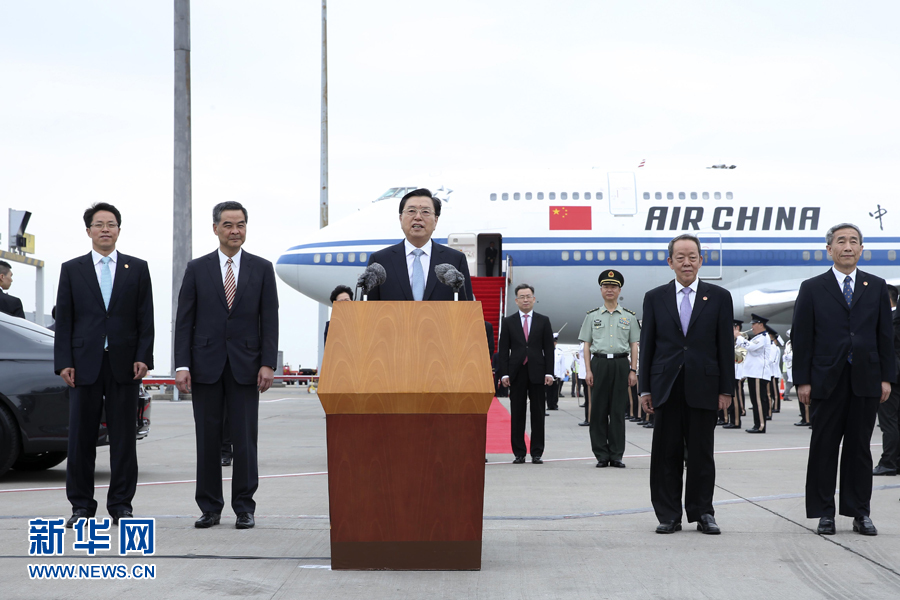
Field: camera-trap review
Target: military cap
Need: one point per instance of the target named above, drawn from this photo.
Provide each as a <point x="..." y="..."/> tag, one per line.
<point x="555" y="336"/>
<point x="755" y="318"/>
<point x="611" y="276"/>
<point x="738" y="323"/>
<point x="771" y="331"/>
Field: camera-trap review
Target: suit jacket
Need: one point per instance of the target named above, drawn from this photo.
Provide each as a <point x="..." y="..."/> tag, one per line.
<point x="706" y="354"/>
<point x="11" y="305"/>
<point x="397" y="286"/>
<point x="539" y="347"/>
<point x="825" y="330"/>
<point x="896" y="321"/>
<point x="207" y="333"/>
<point x="83" y="322"/>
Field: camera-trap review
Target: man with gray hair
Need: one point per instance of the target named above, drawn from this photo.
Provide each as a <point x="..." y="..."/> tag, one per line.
<point x="844" y="360"/>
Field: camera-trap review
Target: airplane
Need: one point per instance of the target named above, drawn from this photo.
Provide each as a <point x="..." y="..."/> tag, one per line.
<point x="762" y="234"/>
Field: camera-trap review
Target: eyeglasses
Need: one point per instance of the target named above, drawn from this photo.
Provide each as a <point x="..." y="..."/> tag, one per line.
<point x="109" y="226"/>
<point x="412" y="212"/>
<point x="528" y="297"/>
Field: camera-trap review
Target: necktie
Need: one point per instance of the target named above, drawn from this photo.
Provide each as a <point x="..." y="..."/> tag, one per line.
<point x="525" y="327"/>
<point x="105" y="287"/>
<point x="685" y="309"/>
<point x="848" y="296"/>
<point x="418" y="276"/>
<point x="230" y="286"/>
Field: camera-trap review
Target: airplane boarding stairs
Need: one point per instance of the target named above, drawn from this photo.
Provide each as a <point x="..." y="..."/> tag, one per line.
<point x="489" y="291"/>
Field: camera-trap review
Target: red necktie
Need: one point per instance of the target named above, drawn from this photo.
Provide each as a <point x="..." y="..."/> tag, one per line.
<point x="525" y="327"/>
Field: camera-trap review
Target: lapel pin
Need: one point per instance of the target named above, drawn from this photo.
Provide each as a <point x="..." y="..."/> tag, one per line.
<point x="865" y="283"/>
<point x="126" y="266"/>
<point x="704" y="297"/>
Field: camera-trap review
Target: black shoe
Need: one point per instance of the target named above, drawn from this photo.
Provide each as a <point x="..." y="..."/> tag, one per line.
<point x="207" y="520"/>
<point x="537" y="460"/>
<point x="768" y="418"/>
<point x="776" y="411"/>
<point x="125" y="514"/>
<point x="648" y="426"/>
<point x="78" y="513"/>
<point x="519" y="460"/>
<point x="864" y="526"/>
<point x="801" y="424"/>
<point x="707" y="525"/>
<point x="617" y="464"/>
<point x="826" y="526"/>
<point x="602" y="464"/>
<point x="244" y="521"/>
<point x="581" y="406"/>
<point x="552" y="408"/>
<point x="641" y="422"/>
<point x="669" y="527"/>
<point x="720" y="422"/>
<point x="882" y="470"/>
<point x="755" y="430"/>
<point x="731" y="426"/>
<point x="584" y="424"/>
<point x="226" y="461"/>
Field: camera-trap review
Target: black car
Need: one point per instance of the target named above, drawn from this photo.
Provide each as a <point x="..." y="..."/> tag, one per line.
<point x="34" y="402"/>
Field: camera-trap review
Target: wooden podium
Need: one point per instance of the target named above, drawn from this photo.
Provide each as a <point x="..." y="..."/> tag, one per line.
<point x="406" y="388"/>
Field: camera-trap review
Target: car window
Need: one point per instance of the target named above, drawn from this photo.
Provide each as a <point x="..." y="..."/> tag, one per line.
<point x="17" y="335"/>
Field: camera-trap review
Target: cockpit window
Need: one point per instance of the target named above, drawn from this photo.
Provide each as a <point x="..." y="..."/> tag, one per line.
<point x="395" y="192"/>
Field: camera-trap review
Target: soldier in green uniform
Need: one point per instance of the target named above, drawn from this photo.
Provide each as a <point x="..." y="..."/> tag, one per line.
<point x="608" y="333"/>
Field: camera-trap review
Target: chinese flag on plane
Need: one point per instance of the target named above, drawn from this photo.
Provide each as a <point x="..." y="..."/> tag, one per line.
<point x="570" y="217"/>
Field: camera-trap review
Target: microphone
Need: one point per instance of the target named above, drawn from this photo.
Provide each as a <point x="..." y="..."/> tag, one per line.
<point x="373" y="276"/>
<point x="450" y="276"/>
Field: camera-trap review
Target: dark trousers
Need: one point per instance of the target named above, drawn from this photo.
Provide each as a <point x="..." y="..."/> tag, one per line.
<point x="759" y="398"/>
<point x="845" y="416"/>
<point x="227" y="449"/>
<point x="634" y="403"/>
<point x="890" y="431"/>
<point x="774" y="396"/>
<point x="552" y="394"/>
<point x="679" y="427"/>
<point x="733" y="412"/>
<point x="519" y="388"/>
<point x="488" y="268"/>
<point x="86" y="404"/>
<point x="609" y="396"/>
<point x="241" y="402"/>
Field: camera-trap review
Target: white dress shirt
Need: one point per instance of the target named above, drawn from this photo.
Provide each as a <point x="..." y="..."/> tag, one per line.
<point x="425" y="259"/>
<point x="235" y="265"/>
<point x="679" y="296"/>
<point x="840" y="279"/>
<point x="113" y="258"/>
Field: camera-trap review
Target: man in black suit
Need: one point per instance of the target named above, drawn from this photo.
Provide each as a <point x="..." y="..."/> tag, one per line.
<point x="410" y="264"/>
<point x="686" y="376"/>
<point x="526" y="366"/>
<point x="887" y="411"/>
<point x="8" y="304"/>
<point x="844" y="360"/>
<point x="103" y="349"/>
<point x="226" y="346"/>
<point x="490" y="257"/>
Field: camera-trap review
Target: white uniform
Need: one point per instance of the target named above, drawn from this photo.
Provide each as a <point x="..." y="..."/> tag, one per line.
<point x="559" y="364"/>
<point x="788" y="362"/>
<point x="776" y="361"/>
<point x="740" y="342"/>
<point x="756" y="363"/>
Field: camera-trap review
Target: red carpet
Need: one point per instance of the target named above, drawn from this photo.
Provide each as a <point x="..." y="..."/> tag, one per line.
<point x="498" y="423"/>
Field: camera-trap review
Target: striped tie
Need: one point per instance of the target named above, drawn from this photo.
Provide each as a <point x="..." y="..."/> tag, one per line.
<point x="230" y="286"/>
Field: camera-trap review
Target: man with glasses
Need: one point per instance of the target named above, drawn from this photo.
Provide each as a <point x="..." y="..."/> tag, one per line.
<point x="410" y="264"/>
<point x="103" y="349"/>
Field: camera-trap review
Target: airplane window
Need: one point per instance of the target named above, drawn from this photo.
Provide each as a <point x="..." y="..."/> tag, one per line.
<point x="599" y="195"/>
<point x="587" y="195"/>
<point x="624" y="254"/>
<point x="493" y="196"/>
<point x="806" y="255"/>
<point x="601" y="255"/>
<point x="317" y="258"/>
<point x="328" y="257"/>
<point x="706" y="195"/>
<point x="588" y="255"/>
<point x="660" y="255"/>
<point x="517" y="196"/>
<point x="505" y="196"/>
<point x="818" y="255"/>
<point x="648" y="255"/>
<point x="388" y="194"/>
<point x="646" y="195"/>
<point x="637" y="255"/>
<point x="612" y="255"/>
<point x="574" y="195"/>
<point x="351" y="257"/>
<point x="576" y="255"/>
<point x="658" y="195"/>
<point x="340" y="257"/>
<point x="681" y="195"/>
<point x="867" y="255"/>
<point x="714" y="255"/>
<point x="718" y="195"/>
<point x="540" y="195"/>
<point x="693" y="195"/>
<point x="892" y="255"/>
<point x="528" y="195"/>
<point x="565" y="255"/>
<point x="563" y="196"/>
<point x="670" y="196"/>
<point x="552" y="195"/>
<point x="729" y="196"/>
<point x="362" y="257"/>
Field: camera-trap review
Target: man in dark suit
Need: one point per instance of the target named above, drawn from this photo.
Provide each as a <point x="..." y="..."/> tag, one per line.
<point x="526" y="366"/>
<point x="490" y="257"/>
<point x="686" y="376"/>
<point x="887" y="411"/>
<point x="410" y="264"/>
<point x="103" y="349"/>
<point x="8" y="304"/>
<point x="844" y="360"/>
<point x="226" y="346"/>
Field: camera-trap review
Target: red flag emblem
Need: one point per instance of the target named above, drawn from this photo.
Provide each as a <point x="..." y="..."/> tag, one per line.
<point x="570" y="217"/>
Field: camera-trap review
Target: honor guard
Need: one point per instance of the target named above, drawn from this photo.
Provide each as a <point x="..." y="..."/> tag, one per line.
<point x="775" y="372"/>
<point x="757" y="371"/>
<point x="733" y="412"/>
<point x="609" y="333"/>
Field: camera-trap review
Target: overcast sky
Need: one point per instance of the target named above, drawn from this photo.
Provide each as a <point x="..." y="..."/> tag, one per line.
<point x="416" y="88"/>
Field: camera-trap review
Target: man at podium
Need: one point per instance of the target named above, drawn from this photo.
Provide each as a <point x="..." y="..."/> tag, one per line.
<point x="410" y="264"/>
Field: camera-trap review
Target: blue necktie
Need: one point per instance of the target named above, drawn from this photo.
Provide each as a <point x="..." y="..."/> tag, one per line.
<point x="685" y="309"/>
<point x="848" y="296"/>
<point x="418" y="275"/>
<point x="105" y="286"/>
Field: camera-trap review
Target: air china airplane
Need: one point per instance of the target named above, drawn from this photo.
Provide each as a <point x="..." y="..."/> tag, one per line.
<point x="761" y="236"/>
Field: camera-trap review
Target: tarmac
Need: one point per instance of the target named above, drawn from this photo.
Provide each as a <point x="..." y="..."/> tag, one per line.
<point x="564" y="529"/>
